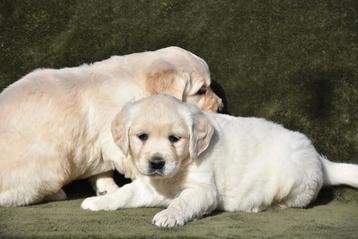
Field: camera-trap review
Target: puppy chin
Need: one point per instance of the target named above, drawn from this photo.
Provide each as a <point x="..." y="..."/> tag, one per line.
<point x="158" y="174"/>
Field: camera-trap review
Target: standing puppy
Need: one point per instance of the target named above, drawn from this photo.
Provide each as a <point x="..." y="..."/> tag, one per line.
<point x="193" y="162"/>
<point x="55" y="123"/>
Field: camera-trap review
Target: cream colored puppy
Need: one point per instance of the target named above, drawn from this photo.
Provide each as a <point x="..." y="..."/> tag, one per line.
<point x="193" y="162"/>
<point x="55" y="124"/>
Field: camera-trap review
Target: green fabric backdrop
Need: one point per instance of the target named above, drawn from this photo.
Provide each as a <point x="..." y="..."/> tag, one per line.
<point x="293" y="62"/>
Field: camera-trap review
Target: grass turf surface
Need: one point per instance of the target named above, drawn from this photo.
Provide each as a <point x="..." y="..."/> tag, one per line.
<point x="294" y="62"/>
<point x="337" y="219"/>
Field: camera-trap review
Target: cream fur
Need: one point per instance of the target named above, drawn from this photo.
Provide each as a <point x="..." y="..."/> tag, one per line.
<point x="247" y="164"/>
<point x="55" y="124"/>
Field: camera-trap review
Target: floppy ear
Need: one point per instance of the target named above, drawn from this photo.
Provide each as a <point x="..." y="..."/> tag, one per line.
<point x="167" y="81"/>
<point x="201" y="134"/>
<point x="120" y="130"/>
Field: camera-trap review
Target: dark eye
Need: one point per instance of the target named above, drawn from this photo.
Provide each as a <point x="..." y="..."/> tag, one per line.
<point x="142" y="136"/>
<point x="202" y="90"/>
<point x="173" y="138"/>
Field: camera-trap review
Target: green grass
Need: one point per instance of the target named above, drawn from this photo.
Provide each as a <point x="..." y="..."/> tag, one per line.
<point x="337" y="219"/>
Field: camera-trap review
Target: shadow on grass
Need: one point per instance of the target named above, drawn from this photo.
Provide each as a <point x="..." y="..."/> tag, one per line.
<point x="325" y="196"/>
<point x="328" y="194"/>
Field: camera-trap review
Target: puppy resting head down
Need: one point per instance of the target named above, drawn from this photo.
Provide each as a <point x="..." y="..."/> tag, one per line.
<point x="181" y="74"/>
<point x="167" y="139"/>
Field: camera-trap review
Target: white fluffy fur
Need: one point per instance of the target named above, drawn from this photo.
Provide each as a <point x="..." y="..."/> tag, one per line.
<point x="248" y="164"/>
<point x="55" y="124"/>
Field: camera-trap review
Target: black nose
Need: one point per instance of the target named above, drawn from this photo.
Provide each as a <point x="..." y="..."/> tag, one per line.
<point x="156" y="163"/>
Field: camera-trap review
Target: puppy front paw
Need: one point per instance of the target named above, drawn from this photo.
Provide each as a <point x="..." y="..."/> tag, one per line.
<point x="168" y="218"/>
<point x="97" y="204"/>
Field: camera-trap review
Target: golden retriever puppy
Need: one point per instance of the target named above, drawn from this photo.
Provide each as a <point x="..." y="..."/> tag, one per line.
<point x="193" y="162"/>
<point x="55" y="123"/>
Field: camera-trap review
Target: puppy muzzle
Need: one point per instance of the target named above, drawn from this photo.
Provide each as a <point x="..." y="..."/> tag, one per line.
<point x="156" y="166"/>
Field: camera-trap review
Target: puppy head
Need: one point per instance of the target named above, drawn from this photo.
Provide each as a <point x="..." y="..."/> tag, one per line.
<point x="161" y="133"/>
<point x="181" y="74"/>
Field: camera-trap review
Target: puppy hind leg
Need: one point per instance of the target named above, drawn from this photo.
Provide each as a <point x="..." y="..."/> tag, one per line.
<point x="42" y="173"/>
<point x="103" y="183"/>
<point x="15" y="198"/>
<point x="9" y="199"/>
<point x="132" y="195"/>
<point x="302" y="197"/>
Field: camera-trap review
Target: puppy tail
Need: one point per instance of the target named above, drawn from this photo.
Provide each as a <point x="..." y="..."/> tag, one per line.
<point x="339" y="173"/>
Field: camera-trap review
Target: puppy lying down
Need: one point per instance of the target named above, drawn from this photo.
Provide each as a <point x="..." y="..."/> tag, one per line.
<point x="55" y="124"/>
<point x="193" y="162"/>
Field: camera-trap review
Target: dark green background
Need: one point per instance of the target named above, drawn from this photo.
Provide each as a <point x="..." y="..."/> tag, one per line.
<point x="294" y="62"/>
